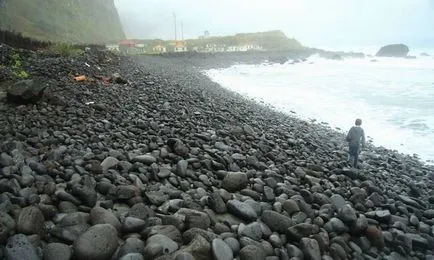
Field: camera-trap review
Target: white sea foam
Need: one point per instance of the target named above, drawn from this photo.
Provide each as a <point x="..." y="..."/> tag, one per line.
<point x="394" y="97"/>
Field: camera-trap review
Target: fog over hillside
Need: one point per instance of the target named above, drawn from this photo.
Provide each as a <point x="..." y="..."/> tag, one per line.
<point x="312" y="22"/>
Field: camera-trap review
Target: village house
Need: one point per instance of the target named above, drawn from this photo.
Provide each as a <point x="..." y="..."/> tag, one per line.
<point x="215" y="47"/>
<point x="112" y="47"/>
<point x="180" y="46"/>
<point x="159" y="49"/>
<point x="244" y="48"/>
<point x="132" y="47"/>
<point x="140" y="47"/>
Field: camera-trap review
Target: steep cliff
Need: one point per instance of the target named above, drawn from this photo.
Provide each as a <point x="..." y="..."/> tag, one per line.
<point x="77" y="21"/>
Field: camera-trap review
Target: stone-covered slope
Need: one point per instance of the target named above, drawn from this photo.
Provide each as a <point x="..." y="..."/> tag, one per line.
<point x="172" y="166"/>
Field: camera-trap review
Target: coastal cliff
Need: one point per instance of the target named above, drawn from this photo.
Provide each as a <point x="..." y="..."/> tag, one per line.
<point x="76" y="21"/>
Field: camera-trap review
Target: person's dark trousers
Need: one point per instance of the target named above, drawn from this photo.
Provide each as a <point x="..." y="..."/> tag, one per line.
<point x="353" y="156"/>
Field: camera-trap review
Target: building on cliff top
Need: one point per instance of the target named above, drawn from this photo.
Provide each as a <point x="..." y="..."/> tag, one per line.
<point x="112" y="47"/>
<point x="243" y="48"/>
<point x="159" y="48"/>
<point x="180" y="46"/>
<point x="132" y="47"/>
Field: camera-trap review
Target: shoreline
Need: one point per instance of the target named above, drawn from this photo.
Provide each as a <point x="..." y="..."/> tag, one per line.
<point x="204" y="62"/>
<point x="401" y="149"/>
<point x="197" y="67"/>
<point x="176" y="160"/>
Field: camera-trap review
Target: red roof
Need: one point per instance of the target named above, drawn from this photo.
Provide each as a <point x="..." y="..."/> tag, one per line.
<point x="129" y="43"/>
<point x="180" y="44"/>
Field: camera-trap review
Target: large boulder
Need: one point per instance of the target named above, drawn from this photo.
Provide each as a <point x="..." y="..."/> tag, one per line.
<point x="30" y="221"/>
<point x="19" y="247"/>
<point x="393" y="50"/>
<point x="235" y="181"/>
<point x="25" y="91"/>
<point x="98" y="243"/>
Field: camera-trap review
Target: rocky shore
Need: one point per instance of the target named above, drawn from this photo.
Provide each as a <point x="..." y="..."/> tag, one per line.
<point x="158" y="162"/>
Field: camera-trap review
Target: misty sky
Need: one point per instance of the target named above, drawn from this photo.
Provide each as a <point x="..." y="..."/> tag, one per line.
<point x="315" y="23"/>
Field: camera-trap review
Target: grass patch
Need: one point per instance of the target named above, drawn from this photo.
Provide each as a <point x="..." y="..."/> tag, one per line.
<point x="64" y="50"/>
<point x="17" y="68"/>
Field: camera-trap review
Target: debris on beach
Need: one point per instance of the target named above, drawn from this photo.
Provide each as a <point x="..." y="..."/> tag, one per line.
<point x="80" y="78"/>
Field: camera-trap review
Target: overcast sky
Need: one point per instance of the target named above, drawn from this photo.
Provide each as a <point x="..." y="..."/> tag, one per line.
<point x="315" y="23"/>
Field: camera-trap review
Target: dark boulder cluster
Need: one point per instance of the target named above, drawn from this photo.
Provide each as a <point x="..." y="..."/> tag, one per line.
<point x="170" y="165"/>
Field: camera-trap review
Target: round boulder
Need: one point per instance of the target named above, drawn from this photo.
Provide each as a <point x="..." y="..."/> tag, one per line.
<point x="99" y="242"/>
<point x="30" y="221"/>
<point x="234" y="181"/>
<point x="19" y="248"/>
<point x="221" y="250"/>
<point x="99" y="215"/>
<point x="57" y="251"/>
<point x="252" y="252"/>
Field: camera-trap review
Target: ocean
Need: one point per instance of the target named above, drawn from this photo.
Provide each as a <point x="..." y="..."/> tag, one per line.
<point x="393" y="96"/>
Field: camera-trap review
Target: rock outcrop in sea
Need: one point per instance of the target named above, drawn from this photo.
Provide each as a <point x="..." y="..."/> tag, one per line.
<point x="169" y="165"/>
<point x="393" y="50"/>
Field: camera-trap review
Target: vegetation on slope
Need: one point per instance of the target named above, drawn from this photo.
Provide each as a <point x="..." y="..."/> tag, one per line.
<point x="75" y="21"/>
<point x="270" y="40"/>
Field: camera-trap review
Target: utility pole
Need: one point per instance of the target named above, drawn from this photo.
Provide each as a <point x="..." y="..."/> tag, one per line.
<point x="174" y="21"/>
<point x="66" y="24"/>
<point x="182" y="31"/>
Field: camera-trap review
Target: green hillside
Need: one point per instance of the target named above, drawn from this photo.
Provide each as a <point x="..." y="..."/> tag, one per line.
<point x="271" y="40"/>
<point x="77" y="21"/>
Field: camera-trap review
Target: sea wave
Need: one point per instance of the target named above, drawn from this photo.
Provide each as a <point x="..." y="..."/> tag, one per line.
<point x="394" y="96"/>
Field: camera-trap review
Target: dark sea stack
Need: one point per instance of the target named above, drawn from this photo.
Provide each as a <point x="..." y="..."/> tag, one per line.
<point x="172" y="166"/>
<point x="393" y="50"/>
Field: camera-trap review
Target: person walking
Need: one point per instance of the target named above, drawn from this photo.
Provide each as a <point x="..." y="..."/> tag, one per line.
<point x="356" y="140"/>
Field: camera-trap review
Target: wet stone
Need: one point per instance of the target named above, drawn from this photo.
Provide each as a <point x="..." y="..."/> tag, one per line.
<point x="335" y="225"/>
<point x="252" y="253"/>
<point x="338" y="201"/>
<point x="290" y="206"/>
<point x="220" y="250"/>
<point x="184" y="256"/>
<point x="242" y="210"/>
<point x="133" y="225"/>
<point x="145" y="159"/>
<point x="99" y="242"/>
<point x="252" y="230"/>
<point x="167" y="244"/>
<point x="57" y="251"/>
<point x="30" y="221"/>
<point x="131" y="245"/>
<point x="18" y="247"/>
<point x="132" y="256"/>
<point x="233" y="244"/>
<point x="347" y="214"/>
<point x="276" y="221"/>
<point x="310" y="249"/>
<point x="216" y="203"/>
<point x="296" y="232"/>
<point x="234" y="181"/>
<point x="383" y="216"/>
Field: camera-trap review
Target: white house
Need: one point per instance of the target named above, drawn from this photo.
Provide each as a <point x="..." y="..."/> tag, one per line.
<point x="215" y="48"/>
<point x="159" y="48"/>
<point x="112" y="47"/>
<point x="180" y="46"/>
<point x="140" y="48"/>
<point x="243" y="48"/>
